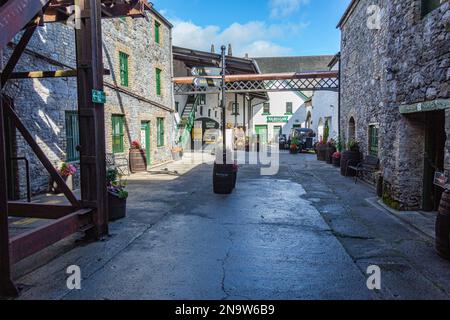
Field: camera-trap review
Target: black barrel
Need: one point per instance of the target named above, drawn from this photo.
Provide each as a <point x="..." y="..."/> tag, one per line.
<point x="443" y="227"/>
<point x="354" y="156"/>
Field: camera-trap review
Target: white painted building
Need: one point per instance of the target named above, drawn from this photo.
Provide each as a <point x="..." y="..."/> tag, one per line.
<point x="287" y="110"/>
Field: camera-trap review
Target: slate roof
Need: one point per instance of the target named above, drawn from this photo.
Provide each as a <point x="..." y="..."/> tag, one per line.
<point x="294" y="64"/>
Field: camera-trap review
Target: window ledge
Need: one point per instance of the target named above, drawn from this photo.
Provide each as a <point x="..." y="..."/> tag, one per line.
<point x="266" y="114"/>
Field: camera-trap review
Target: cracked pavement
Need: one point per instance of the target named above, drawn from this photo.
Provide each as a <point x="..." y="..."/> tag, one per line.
<point x="305" y="233"/>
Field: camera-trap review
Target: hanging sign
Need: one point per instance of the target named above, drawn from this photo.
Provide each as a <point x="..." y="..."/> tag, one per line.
<point x="277" y="119"/>
<point x="98" y="96"/>
<point x="206" y="71"/>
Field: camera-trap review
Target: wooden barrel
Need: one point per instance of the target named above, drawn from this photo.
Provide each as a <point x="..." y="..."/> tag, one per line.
<point x="329" y="154"/>
<point x="322" y="152"/>
<point x="443" y="227"/>
<point x="138" y="161"/>
<point x="346" y="156"/>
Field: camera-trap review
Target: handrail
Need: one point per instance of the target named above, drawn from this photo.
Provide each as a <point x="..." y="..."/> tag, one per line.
<point x="27" y="170"/>
<point x="190" y="122"/>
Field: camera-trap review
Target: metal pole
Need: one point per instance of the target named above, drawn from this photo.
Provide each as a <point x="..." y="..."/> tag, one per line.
<point x="7" y="287"/>
<point x="223" y="102"/>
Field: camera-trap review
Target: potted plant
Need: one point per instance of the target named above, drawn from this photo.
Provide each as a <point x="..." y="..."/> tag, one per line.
<point x="138" y="159"/>
<point x="331" y="149"/>
<point x="66" y="171"/>
<point x="177" y="153"/>
<point x="294" y="147"/>
<point x="117" y="195"/>
<point x="321" y="150"/>
<point x="336" y="159"/>
<point x="352" y="154"/>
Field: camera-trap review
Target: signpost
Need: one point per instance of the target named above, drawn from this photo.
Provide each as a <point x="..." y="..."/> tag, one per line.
<point x="207" y="82"/>
<point x="98" y="96"/>
<point x="441" y="180"/>
<point x="206" y="71"/>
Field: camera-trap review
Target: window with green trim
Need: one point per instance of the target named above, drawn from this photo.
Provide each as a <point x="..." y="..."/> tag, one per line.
<point x="235" y="109"/>
<point x="158" y="81"/>
<point x="157" y="32"/>
<point x="160" y="132"/>
<point x="373" y="140"/>
<point x="123" y="61"/>
<point x="117" y="133"/>
<point x="430" y="5"/>
<point x="266" y="108"/>
<point x="72" y="136"/>
<point x="288" y="107"/>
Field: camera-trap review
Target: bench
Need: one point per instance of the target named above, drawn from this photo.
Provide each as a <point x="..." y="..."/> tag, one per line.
<point x="369" y="164"/>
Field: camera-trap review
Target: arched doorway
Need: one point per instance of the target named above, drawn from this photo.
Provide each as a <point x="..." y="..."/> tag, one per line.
<point x="308" y="120"/>
<point x="320" y="128"/>
<point x="351" y="129"/>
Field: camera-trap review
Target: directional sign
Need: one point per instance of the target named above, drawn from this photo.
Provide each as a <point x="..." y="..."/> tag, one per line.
<point x="207" y="83"/>
<point x="206" y="71"/>
<point x="98" y="96"/>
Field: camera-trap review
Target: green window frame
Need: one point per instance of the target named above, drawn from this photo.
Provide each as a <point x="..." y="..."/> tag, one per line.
<point x="177" y="106"/>
<point x="158" y="81"/>
<point x="157" y="32"/>
<point x="160" y="132"/>
<point x="117" y="133"/>
<point x="373" y="140"/>
<point x="72" y="136"/>
<point x="289" y="108"/>
<point x="430" y="5"/>
<point x="123" y="62"/>
<point x="235" y="109"/>
<point x="266" y="108"/>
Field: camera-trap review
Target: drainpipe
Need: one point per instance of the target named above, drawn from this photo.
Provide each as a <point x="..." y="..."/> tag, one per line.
<point x="339" y="98"/>
<point x="173" y="132"/>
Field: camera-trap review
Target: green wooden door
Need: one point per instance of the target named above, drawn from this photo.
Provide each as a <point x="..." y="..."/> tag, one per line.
<point x="261" y="132"/>
<point x="145" y="139"/>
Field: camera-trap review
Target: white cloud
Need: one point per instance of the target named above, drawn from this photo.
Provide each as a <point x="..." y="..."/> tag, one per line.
<point x="255" y="38"/>
<point x="284" y="8"/>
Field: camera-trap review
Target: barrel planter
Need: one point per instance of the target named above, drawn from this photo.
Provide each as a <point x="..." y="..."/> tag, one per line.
<point x="138" y="161"/>
<point x="117" y="207"/>
<point x="322" y="152"/>
<point x="347" y="156"/>
<point x="443" y="227"/>
<point x="329" y="154"/>
<point x="336" y="162"/>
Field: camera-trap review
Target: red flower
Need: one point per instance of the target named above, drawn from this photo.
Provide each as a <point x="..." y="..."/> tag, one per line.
<point x="136" y="145"/>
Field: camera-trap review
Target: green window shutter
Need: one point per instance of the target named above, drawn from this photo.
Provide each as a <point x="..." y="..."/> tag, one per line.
<point x="235" y="109"/>
<point x="158" y="82"/>
<point x="72" y="136"/>
<point x="266" y="108"/>
<point x="117" y="133"/>
<point x="160" y="132"/>
<point x="157" y="32"/>
<point x="123" y="61"/>
<point x="288" y="107"/>
<point x="373" y="140"/>
<point x="177" y="106"/>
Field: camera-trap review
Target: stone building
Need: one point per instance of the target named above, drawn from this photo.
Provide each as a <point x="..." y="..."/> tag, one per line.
<point x="395" y="87"/>
<point x="139" y="96"/>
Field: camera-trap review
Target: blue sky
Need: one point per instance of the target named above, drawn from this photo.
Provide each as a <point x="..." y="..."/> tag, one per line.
<point x="257" y="27"/>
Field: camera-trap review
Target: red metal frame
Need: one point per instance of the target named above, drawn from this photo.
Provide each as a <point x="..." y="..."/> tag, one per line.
<point x="89" y="214"/>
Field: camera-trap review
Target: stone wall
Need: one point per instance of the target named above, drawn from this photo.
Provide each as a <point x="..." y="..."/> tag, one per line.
<point x="42" y="103"/>
<point x="406" y="61"/>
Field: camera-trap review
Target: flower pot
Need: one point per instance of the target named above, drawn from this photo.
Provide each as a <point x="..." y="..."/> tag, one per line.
<point x="329" y="154"/>
<point x="354" y="156"/>
<point x="138" y="161"/>
<point x="56" y="189"/>
<point x="117" y="207"/>
<point x="336" y="162"/>
<point x="322" y="152"/>
<point x="443" y="227"/>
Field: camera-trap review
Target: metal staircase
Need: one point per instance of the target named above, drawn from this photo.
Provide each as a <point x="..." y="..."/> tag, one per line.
<point x="188" y="119"/>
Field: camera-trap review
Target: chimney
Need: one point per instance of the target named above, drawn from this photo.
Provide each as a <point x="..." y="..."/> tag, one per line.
<point x="213" y="49"/>
<point x="246" y="56"/>
<point x="230" y="50"/>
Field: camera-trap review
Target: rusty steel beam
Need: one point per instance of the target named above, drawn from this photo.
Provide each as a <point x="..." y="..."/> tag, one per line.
<point x="15" y="15"/>
<point x="267" y="76"/>
<point x="40" y="154"/>
<point x="38" y="210"/>
<point x="92" y="115"/>
<point x="57" y="11"/>
<point x="28" y="243"/>
<point x="7" y="287"/>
